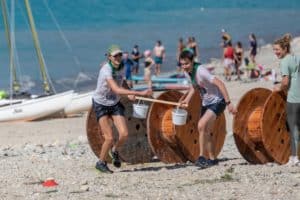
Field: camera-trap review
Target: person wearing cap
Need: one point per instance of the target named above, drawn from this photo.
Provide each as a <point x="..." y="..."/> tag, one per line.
<point x="215" y="99"/>
<point x="107" y="106"/>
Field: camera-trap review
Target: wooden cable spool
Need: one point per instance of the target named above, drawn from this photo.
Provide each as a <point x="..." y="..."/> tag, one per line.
<point x="178" y="144"/>
<point x="259" y="127"/>
<point x="136" y="148"/>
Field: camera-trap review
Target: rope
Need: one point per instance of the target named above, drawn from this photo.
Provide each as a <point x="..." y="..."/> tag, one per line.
<point x="67" y="43"/>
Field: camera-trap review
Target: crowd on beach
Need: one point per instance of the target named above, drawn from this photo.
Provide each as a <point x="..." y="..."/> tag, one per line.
<point x="214" y="94"/>
<point x="236" y="60"/>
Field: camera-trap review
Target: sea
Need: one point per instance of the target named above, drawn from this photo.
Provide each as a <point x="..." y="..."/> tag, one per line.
<point x="75" y="34"/>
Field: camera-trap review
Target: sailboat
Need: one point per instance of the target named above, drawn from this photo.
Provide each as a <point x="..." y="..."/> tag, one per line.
<point x="40" y="107"/>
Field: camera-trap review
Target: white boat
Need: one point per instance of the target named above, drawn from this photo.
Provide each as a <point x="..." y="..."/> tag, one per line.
<point x="79" y="103"/>
<point x="5" y="102"/>
<point x="33" y="109"/>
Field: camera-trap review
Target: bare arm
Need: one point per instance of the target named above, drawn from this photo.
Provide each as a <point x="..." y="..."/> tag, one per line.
<point x="225" y="94"/>
<point x="122" y="91"/>
<point x="284" y="86"/>
<point x="186" y="98"/>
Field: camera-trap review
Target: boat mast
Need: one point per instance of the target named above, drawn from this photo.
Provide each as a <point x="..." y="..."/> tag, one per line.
<point x="15" y="82"/>
<point x="46" y="84"/>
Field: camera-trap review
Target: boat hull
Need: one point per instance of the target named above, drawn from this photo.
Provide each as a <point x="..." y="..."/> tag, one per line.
<point x="34" y="109"/>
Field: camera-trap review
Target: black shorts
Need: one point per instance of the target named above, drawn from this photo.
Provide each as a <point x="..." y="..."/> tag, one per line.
<point x="101" y="110"/>
<point x="217" y="108"/>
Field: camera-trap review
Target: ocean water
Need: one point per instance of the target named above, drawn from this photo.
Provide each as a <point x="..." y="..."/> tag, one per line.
<point x="87" y="27"/>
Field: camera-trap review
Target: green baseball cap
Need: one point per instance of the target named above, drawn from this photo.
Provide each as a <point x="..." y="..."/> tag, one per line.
<point x="114" y="50"/>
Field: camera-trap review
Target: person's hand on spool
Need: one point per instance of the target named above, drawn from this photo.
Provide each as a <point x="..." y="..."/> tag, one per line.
<point x="231" y="107"/>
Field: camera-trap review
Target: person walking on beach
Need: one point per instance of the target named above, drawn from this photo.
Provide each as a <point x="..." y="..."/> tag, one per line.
<point x="180" y="47"/>
<point x="160" y="54"/>
<point x="215" y="99"/>
<point x="238" y="58"/>
<point x="135" y="55"/>
<point x="253" y="47"/>
<point x="107" y="106"/>
<point x="290" y="71"/>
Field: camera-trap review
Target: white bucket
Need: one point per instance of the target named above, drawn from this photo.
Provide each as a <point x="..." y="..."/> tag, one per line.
<point x="179" y="116"/>
<point x="140" y="111"/>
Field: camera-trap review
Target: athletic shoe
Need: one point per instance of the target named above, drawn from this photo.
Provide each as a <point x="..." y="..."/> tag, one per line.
<point x="115" y="158"/>
<point x="211" y="163"/>
<point x="201" y="162"/>
<point x="293" y="161"/>
<point x="102" y="167"/>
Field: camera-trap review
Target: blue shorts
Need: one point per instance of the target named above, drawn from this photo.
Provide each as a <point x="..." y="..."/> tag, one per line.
<point x="217" y="108"/>
<point x="101" y="110"/>
<point x="158" y="60"/>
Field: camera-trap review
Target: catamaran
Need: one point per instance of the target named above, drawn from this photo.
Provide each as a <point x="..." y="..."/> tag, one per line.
<point x="40" y="107"/>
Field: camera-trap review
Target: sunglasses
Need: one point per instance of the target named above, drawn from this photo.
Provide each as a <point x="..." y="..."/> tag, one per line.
<point x="118" y="55"/>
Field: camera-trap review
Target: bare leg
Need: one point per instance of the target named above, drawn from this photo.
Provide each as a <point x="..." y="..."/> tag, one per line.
<point x="205" y="123"/>
<point x="120" y="123"/>
<point x="106" y="129"/>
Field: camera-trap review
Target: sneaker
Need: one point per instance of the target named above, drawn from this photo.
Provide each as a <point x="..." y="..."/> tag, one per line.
<point x="115" y="158"/>
<point x="102" y="167"/>
<point x="201" y="162"/>
<point x="293" y="161"/>
<point x="211" y="163"/>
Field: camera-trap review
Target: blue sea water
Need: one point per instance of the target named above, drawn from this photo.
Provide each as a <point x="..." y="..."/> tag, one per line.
<point x="90" y="26"/>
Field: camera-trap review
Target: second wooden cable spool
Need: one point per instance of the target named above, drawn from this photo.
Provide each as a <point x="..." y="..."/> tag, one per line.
<point x="178" y="144"/>
<point x="259" y="127"/>
<point x="136" y="148"/>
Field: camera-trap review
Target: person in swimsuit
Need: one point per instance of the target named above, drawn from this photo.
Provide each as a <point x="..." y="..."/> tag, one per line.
<point x="238" y="58"/>
<point x="228" y="57"/>
<point x="159" y="56"/>
<point x="180" y="47"/>
<point x="253" y="47"/>
<point x="107" y="107"/>
<point x="149" y="62"/>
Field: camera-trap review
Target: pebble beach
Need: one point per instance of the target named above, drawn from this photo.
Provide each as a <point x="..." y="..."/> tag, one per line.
<point x="32" y="152"/>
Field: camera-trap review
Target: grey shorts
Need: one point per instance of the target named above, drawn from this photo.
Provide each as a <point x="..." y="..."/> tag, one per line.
<point x="102" y="110"/>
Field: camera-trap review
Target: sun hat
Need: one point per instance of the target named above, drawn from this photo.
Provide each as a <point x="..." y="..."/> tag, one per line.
<point x="114" y="50"/>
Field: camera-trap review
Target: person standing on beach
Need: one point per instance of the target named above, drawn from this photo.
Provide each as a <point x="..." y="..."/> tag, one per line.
<point x="107" y="106"/>
<point x="135" y="55"/>
<point x="253" y="47"/>
<point x="228" y="57"/>
<point x="226" y="38"/>
<point x="160" y="54"/>
<point x="290" y="71"/>
<point x="215" y="99"/>
<point x="128" y="64"/>
<point x="149" y="62"/>
<point x="238" y="58"/>
<point x="192" y="44"/>
<point x="180" y="47"/>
